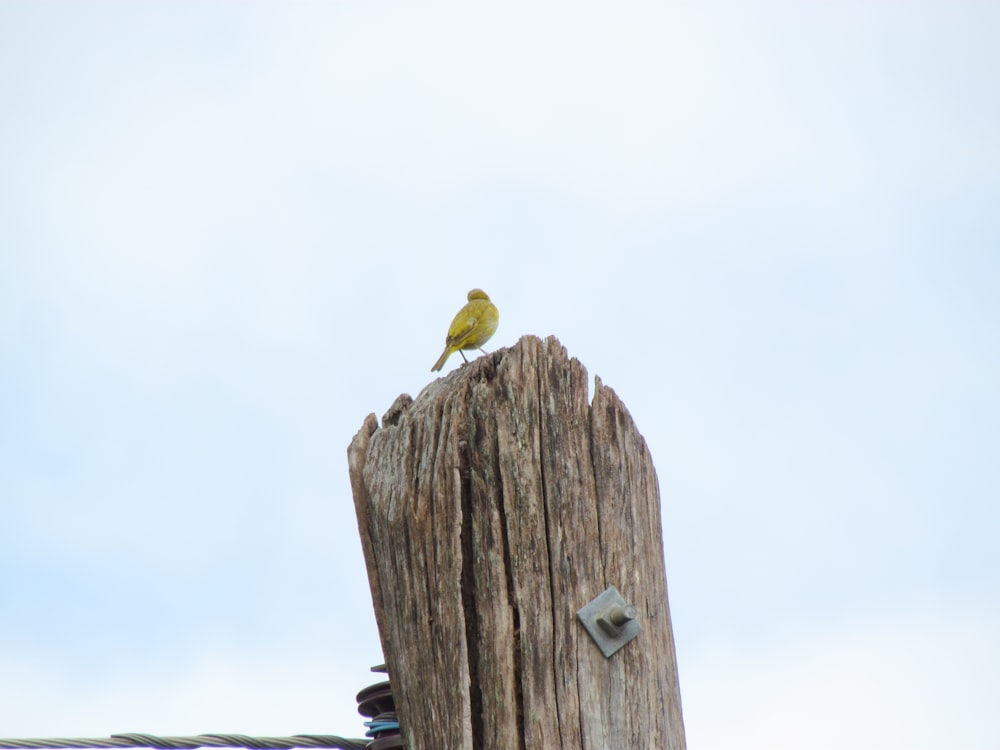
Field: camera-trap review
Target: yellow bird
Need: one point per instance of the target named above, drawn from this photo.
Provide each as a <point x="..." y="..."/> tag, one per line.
<point x="471" y="328"/>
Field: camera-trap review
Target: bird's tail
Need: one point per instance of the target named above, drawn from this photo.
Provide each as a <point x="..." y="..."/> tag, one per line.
<point x="443" y="358"/>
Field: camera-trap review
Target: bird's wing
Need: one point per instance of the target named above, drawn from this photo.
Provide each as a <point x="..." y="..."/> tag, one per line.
<point x="458" y="334"/>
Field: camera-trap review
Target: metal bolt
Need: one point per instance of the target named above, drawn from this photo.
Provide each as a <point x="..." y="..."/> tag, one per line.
<point x="611" y="621"/>
<point x="615" y="617"/>
<point x="619" y="615"/>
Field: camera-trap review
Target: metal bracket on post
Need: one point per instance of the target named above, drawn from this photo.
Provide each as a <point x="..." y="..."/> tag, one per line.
<point x="610" y="620"/>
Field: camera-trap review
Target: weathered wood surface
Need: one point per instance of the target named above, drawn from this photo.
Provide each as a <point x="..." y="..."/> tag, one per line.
<point x="491" y="509"/>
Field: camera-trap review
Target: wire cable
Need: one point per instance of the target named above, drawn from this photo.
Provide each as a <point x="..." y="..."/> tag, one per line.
<point x="328" y="741"/>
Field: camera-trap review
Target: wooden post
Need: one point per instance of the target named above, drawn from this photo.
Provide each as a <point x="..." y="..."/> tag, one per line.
<point x="492" y="509"/>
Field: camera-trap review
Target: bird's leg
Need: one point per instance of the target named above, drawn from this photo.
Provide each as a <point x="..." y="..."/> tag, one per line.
<point x="463" y="356"/>
<point x="483" y="350"/>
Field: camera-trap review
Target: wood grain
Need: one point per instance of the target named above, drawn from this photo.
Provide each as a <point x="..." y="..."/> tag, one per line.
<point x="491" y="508"/>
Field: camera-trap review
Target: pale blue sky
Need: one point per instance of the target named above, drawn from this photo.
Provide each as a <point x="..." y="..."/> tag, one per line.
<point x="228" y="231"/>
